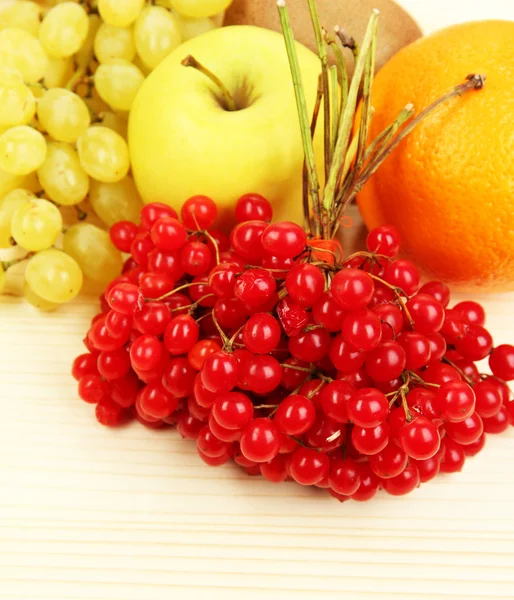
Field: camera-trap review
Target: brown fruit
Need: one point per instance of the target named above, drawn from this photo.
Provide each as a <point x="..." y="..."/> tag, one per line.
<point x="396" y="29"/>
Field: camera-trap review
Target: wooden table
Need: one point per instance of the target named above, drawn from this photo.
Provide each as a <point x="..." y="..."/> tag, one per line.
<point x="92" y="513"/>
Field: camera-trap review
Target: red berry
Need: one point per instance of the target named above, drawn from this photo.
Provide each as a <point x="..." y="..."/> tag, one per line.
<point x="498" y="423"/>
<point x="181" y="334"/>
<point x="126" y="298"/>
<point x="188" y="426"/>
<point x="124" y="391"/>
<point x="123" y="234"/>
<point x="362" y="329"/>
<point x="305" y="284"/>
<point x="101" y="339"/>
<point x="141" y="248"/>
<point x="470" y="312"/>
<point x="150" y="213"/>
<point x="368" y="486"/>
<point x="260" y="374"/>
<point x="220" y="372"/>
<point x="275" y="470"/>
<point x="168" y="234"/>
<point x="199" y="212"/>
<point x="344" y="476"/>
<point x="293" y="318"/>
<point x="475" y="447"/>
<point x="327" y="312"/>
<point x="476" y="344"/>
<point x="420" y="438"/>
<point x="426" y="312"/>
<point x="428" y="468"/>
<point x="195" y="258"/>
<point x="278" y="267"/>
<point x="386" y="362"/>
<point x="404" y="483"/>
<point x="254" y="287"/>
<point x="233" y="410"/>
<point x="384" y="240"/>
<point x="165" y="262"/>
<point x="292" y="377"/>
<point x="371" y="440"/>
<point x="284" y="239"/>
<point x="391" y="319"/>
<point x="109" y="413"/>
<point x="325" y="434"/>
<point x="453" y="457"/>
<point x="390" y="462"/>
<point x="209" y="445"/>
<point x="308" y="466"/>
<point x="438" y="290"/>
<point x="155" y="285"/>
<point x="417" y="349"/>
<point x="113" y="364"/>
<point x="310" y="346"/>
<point x="93" y="389"/>
<point x="222" y="280"/>
<point x="295" y="415"/>
<point x="334" y="398"/>
<point x="501" y="362"/>
<point x="252" y="207"/>
<point x="156" y="401"/>
<point x="179" y="377"/>
<point x="456" y="400"/>
<point x="467" y="431"/>
<point x="437" y="347"/>
<point x="440" y="373"/>
<point x="352" y="289"/>
<point x="260" y="441"/>
<point x="245" y="239"/>
<point x="222" y="433"/>
<point x="146" y="352"/>
<point x="488" y="398"/>
<point x="216" y="461"/>
<point x="344" y="357"/>
<point x="152" y="319"/>
<point x="367" y="407"/>
<point x="85" y="364"/>
<point x="261" y="333"/>
<point x="404" y="275"/>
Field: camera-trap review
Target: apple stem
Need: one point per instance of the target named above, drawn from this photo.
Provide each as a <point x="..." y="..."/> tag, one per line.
<point x="322" y="53"/>
<point x="301" y="102"/>
<point x="190" y="61"/>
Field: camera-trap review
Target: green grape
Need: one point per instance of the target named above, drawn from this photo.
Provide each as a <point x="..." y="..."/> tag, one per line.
<point x="85" y="55"/>
<point x="22" y="51"/>
<point x="62" y="176"/>
<point x="59" y="72"/>
<point x="157" y="34"/>
<point x="190" y="28"/>
<point x="116" y="122"/>
<point x="94" y="252"/>
<point x="103" y="154"/>
<point x="199" y="9"/>
<point x="114" y="42"/>
<point x="114" y="202"/>
<point x="36" y="225"/>
<point x="22" y="15"/>
<point x="40" y="303"/>
<point x="9" y="204"/>
<point x="2" y="278"/>
<point x="117" y="83"/>
<point x="64" y="29"/>
<point x="22" y="150"/>
<point x="120" y="14"/>
<point x="54" y="276"/>
<point x="63" y="114"/>
<point x="17" y="102"/>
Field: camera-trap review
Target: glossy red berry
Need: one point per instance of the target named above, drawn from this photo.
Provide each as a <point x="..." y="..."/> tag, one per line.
<point x="295" y="415"/>
<point x="260" y="441"/>
<point x="152" y="319"/>
<point x="456" y="400"/>
<point x="428" y="468"/>
<point x="233" y="410"/>
<point x="275" y="470"/>
<point x="417" y="348"/>
<point x="475" y="447"/>
<point x="168" y="234"/>
<point x="150" y="213"/>
<point x="426" y="312"/>
<point x="368" y="486"/>
<point x="293" y="318"/>
<point x="467" y="431"/>
<point x="499" y="422"/>
<point x="352" y="289"/>
<point x="210" y="445"/>
<point x="420" y="438"/>
<point x="362" y="329"/>
<point x="261" y="333"/>
<point x="327" y="312"/>
<point x="390" y="462"/>
<point x="371" y="440"/>
<point x="252" y="207"/>
<point x="305" y="284"/>
<point x="488" y="398"/>
<point x="84" y="364"/>
<point x="93" y="389"/>
<point x="284" y="239"/>
<point x="344" y="357"/>
<point x="470" y="312"/>
<point x="179" y="377"/>
<point x="453" y="457"/>
<point x="245" y="239"/>
<point x="181" y="334"/>
<point x="344" y="477"/>
<point x="404" y="483"/>
<point x="403" y="274"/>
<point x="475" y="344"/>
<point x="123" y="234"/>
<point x="386" y="362"/>
<point x="334" y="398"/>
<point x="188" y="426"/>
<point x="195" y="258"/>
<point x="310" y="346"/>
<point x="438" y="290"/>
<point x="156" y="401"/>
<point x="220" y="372"/>
<point x="113" y="364"/>
<point x="198" y="212"/>
<point x="391" y="320"/>
<point x="501" y="362"/>
<point x="367" y="407"/>
<point x="165" y="262"/>
<point x="109" y="413"/>
<point x="126" y="298"/>
<point x="384" y="240"/>
<point x="308" y="466"/>
<point x="254" y="287"/>
<point x="260" y="374"/>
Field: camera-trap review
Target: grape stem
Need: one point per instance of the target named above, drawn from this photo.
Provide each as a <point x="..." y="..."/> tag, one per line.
<point x="190" y="61"/>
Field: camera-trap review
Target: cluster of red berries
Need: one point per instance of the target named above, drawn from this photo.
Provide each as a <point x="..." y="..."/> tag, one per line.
<point x="344" y="374"/>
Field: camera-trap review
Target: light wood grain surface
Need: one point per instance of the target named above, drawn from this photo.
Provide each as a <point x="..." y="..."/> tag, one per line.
<point x="92" y="513"/>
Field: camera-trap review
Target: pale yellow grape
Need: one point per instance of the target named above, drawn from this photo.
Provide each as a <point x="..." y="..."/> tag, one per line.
<point x="157" y="34"/>
<point x="94" y="252"/>
<point x="62" y="176"/>
<point x="17" y="103"/>
<point x="9" y="182"/>
<point x="36" y="225"/>
<point x="191" y="28"/>
<point x="22" y="150"/>
<point x="63" y="114"/>
<point x="9" y="204"/>
<point x="86" y="53"/>
<point x="64" y="29"/>
<point x="103" y="154"/>
<point x="199" y="9"/>
<point x="114" y="121"/>
<point x="120" y="13"/>
<point x="54" y="276"/>
<point x="59" y="72"/>
<point x="2" y="278"/>
<point x="114" y="42"/>
<point x="21" y="50"/>
<point x="23" y="15"/>
<point x="117" y="83"/>
<point x="40" y="303"/>
<point x="114" y="202"/>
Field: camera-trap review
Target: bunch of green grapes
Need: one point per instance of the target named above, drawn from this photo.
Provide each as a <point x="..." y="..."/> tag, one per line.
<point x="69" y="73"/>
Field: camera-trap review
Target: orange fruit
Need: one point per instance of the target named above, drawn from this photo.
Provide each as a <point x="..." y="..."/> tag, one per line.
<point x="449" y="186"/>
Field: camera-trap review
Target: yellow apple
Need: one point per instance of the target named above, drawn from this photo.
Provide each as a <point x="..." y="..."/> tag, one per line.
<point x="183" y="141"/>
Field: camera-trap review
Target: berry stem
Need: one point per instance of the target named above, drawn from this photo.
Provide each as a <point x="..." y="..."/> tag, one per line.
<point x="467" y="379"/>
<point x="190" y="61"/>
<point x="174" y="291"/>
<point x="301" y="102"/>
<point x="398" y="293"/>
